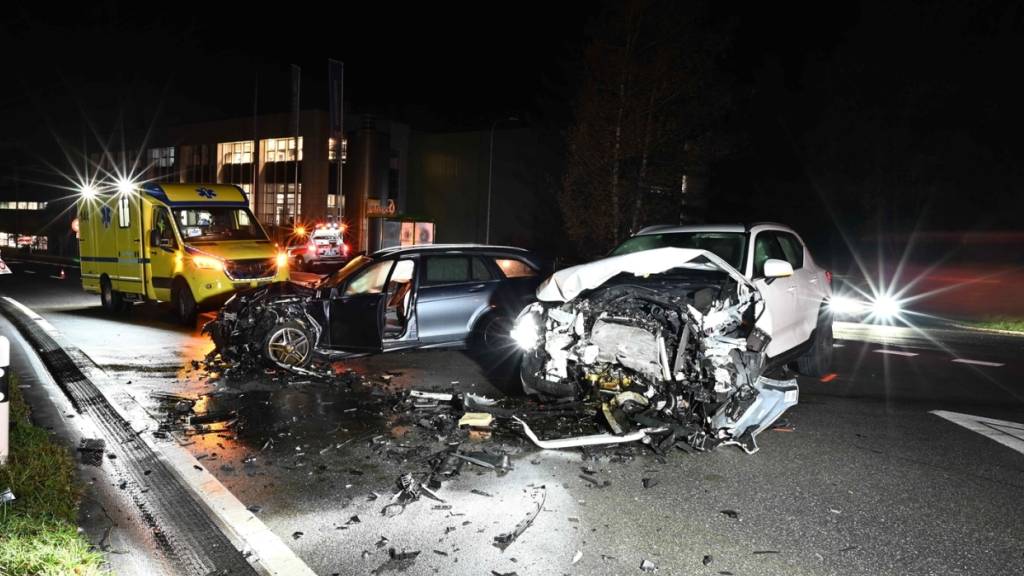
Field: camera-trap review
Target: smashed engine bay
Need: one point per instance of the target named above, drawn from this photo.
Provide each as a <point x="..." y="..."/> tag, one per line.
<point x="240" y="331"/>
<point x="666" y="342"/>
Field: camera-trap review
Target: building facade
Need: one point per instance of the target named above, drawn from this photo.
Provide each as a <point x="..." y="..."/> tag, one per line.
<point x="292" y="178"/>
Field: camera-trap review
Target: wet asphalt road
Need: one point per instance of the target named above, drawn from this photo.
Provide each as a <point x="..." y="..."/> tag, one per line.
<point x="863" y="480"/>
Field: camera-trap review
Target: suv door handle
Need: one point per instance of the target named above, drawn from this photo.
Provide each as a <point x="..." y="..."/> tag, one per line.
<point x="791" y="289"/>
<point x="477" y="287"/>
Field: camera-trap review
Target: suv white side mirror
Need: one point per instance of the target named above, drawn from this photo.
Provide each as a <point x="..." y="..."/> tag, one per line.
<point x="775" y="268"/>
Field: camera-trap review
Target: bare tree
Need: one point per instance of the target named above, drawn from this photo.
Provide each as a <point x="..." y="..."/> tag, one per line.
<point x="643" y="119"/>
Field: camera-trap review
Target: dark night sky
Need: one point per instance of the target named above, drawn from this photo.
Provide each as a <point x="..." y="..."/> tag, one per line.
<point x="842" y="104"/>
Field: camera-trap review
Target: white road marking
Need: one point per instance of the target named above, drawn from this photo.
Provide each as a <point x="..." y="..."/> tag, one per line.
<point x="978" y="362"/>
<point x="28" y="271"/>
<point x="896" y="352"/>
<point x="247" y="531"/>
<point x="1009" y="434"/>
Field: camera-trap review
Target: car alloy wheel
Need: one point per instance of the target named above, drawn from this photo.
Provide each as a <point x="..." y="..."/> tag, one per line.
<point x="289" y="346"/>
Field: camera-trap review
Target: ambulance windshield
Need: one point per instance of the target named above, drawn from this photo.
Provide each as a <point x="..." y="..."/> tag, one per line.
<point x="217" y="223"/>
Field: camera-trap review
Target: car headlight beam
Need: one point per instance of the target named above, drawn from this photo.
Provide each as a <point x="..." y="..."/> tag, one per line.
<point x="526" y="332"/>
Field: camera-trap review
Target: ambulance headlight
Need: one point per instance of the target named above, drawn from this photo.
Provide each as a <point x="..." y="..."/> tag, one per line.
<point x="526" y="331"/>
<point x="282" y="259"/>
<point x="207" y="263"/>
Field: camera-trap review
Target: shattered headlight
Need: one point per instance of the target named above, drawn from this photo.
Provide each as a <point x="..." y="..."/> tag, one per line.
<point x="526" y="331"/>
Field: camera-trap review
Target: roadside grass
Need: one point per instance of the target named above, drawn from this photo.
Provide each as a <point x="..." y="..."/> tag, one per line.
<point x="39" y="531"/>
<point x="1008" y="324"/>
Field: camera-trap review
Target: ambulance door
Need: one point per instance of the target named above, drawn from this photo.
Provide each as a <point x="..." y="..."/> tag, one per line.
<point x="163" y="252"/>
<point x="129" y="244"/>
<point x="87" y="247"/>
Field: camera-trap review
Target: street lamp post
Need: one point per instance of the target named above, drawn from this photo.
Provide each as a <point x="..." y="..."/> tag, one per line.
<point x="490" y="173"/>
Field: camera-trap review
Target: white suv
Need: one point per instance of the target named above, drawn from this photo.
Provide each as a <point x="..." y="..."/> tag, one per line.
<point x="776" y="260"/>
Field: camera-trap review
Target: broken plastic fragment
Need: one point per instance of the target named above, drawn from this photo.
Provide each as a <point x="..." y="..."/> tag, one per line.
<point x="648" y="566"/>
<point x="503" y="541"/>
<point x="441" y="396"/>
<point x="592" y="440"/>
<point x="476" y="419"/>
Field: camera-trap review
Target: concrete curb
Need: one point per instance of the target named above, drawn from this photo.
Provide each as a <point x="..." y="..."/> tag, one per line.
<point x="264" y="550"/>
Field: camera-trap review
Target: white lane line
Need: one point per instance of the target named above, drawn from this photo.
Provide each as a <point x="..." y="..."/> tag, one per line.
<point x="1009" y="434"/>
<point x="897" y="352"/>
<point x="28" y="271"/>
<point x="247" y="531"/>
<point x="978" y="362"/>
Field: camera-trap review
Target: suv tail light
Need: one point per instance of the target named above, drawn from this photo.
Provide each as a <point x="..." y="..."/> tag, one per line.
<point x="828" y="277"/>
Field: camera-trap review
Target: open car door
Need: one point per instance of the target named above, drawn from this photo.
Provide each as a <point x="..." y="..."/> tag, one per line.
<point x="356" y="310"/>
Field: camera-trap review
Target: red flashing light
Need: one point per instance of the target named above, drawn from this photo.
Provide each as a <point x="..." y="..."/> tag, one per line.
<point x="828" y="277"/>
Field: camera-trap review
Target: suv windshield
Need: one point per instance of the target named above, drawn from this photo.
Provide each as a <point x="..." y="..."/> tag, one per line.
<point x="729" y="246"/>
<point x="338" y="277"/>
<point x="216" y="223"/>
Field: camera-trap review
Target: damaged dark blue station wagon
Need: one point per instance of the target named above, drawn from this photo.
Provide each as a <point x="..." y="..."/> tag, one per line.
<point x="434" y="296"/>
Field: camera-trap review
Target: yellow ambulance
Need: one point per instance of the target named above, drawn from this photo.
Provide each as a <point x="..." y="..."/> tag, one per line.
<point x="189" y="244"/>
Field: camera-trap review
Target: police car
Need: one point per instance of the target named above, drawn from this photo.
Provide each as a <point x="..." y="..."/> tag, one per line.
<point x="324" y="247"/>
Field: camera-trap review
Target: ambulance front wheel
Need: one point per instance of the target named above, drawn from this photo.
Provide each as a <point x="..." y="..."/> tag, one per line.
<point x="112" y="300"/>
<point x="184" y="304"/>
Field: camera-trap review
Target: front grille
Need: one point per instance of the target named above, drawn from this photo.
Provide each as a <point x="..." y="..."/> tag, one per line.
<point x="251" y="269"/>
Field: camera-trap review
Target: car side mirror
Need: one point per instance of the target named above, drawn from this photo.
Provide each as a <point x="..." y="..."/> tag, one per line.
<point x="166" y="243"/>
<point x="154" y="238"/>
<point x="775" y="268"/>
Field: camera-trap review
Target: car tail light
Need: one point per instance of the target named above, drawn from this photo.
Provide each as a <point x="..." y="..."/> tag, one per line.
<point x="828" y="277"/>
<point x="344" y="249"/>
<point x="311" y="247"/>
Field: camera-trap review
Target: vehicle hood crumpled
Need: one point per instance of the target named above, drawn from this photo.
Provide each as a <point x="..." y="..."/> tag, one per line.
<point x="565" y="285"/>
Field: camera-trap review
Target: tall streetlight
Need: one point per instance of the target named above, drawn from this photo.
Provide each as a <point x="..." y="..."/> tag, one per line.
<point x="490" y="173"/>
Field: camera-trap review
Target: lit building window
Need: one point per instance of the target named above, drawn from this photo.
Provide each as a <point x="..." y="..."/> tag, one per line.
<point x="281" y="149"/>
<point x="332" y="149"/>
<point x="12" y="205"/>
<point x="280" y="204"/>
<point x="12" y="240"/>
<point x="235" y="152"/>
<point x="161" y="157"/>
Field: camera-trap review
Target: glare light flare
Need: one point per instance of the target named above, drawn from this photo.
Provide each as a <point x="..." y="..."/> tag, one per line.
<point x="88" y="191"/>
<point x="884" y="307"/>
<point x="526" y="332"/>
<point x="125" y="186"/>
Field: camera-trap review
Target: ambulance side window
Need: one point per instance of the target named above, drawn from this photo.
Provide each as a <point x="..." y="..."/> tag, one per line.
<point x="162" y="227"/>
<point x="124" y="212"/>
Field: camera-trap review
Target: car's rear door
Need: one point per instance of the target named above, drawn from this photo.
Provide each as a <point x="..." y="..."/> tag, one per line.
<point x="455" y="290"/>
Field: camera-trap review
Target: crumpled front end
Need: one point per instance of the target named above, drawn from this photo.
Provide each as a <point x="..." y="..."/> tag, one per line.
<point x="676" y="356"/>
<point x="243" y="323"/>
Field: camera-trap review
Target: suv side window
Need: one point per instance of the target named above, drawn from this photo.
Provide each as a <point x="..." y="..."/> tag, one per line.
<point x="515" y="268"/>
<point x="163" y="227"/>
<point x="766" y="247"/>
<point x="480" y="271"/>
<point x="793" y="249"/>
<point x="446" y="270"/>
